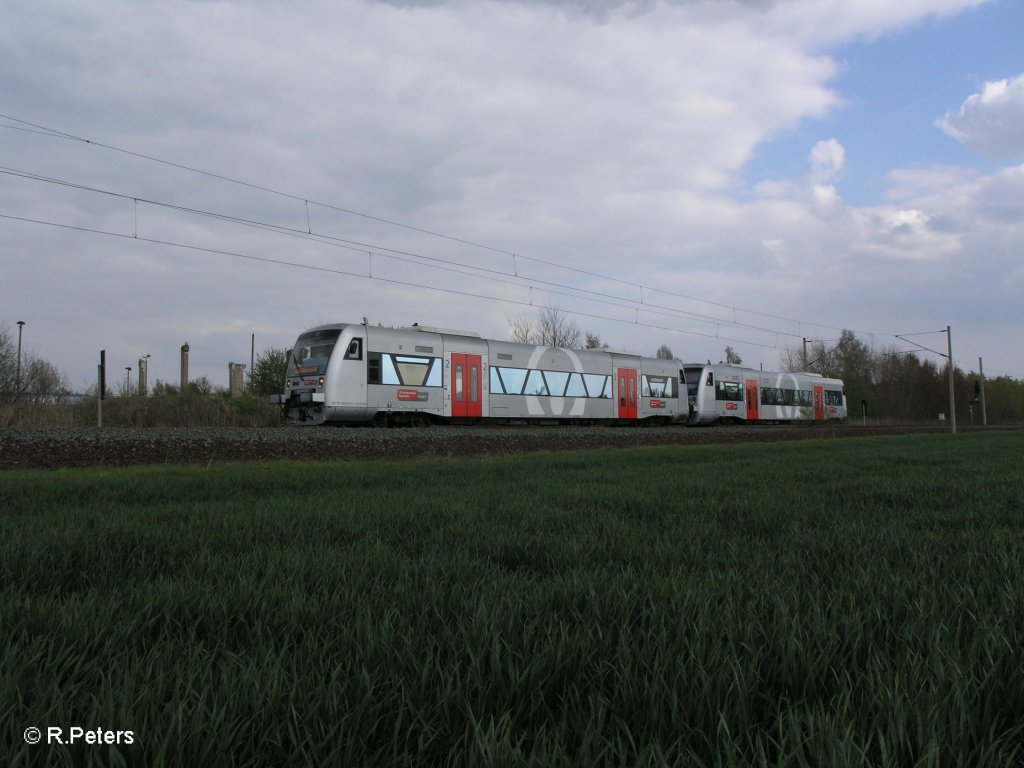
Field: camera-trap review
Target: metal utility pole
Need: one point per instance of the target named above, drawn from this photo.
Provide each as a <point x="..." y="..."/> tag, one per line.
<point x="981" y="393"/>
<point x="952" y="402"/>
<point x="101" y="385"/>
<point x="128" y="381"/>
<point x="805" y="355"/>
<point x="949" y="357"/>
<point x="17" y="375"/>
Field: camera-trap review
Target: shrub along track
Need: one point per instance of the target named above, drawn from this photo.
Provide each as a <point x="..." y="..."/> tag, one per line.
<point x="117" y="447"/>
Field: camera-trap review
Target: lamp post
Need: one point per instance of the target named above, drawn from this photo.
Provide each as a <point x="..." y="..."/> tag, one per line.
<point x="17" y="375"/>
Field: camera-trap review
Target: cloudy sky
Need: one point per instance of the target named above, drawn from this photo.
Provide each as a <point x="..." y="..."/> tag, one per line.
<point x="697" y="173"/>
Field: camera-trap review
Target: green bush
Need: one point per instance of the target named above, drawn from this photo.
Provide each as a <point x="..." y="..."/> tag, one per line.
<point x="165" y="410"/>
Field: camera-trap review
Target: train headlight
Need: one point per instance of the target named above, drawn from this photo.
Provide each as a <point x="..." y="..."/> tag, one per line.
<point x="321" y="381"/>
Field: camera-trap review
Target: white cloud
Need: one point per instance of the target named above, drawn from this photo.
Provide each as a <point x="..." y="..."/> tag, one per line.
<point x="827" y="160"/>
<point x="991" y="122"/>
<point x="612" y="142"/>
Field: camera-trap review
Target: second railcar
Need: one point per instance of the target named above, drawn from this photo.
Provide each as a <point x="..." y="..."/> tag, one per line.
<point x="730" y="393"/>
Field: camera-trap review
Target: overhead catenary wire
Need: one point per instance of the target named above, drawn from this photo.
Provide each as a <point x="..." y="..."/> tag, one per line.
<point x="405" y="256"/>
<point x="418" y="259"/>
<point x="305" y="200"/>
<point x="347" y="273"/>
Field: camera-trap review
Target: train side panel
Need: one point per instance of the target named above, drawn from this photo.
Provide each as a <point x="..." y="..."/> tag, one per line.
<point x="529" y="382"/>
<point x="404" y="373"/>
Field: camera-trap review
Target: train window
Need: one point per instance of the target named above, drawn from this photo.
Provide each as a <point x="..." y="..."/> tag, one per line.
<point x="413" y="370"/>
<point x="373" y="368"/>
<point x="597" y="385"/>
<point x="833" y="398"/>
<point x="535" y="384"/>
<point x="355" y="350"/>
<point x="474" y="384"/>
<point x="434" y="377"/>
<point x="458" y="382"/>
<point x="517" y="381"/>
<point x="389" y="375"/>
<point x="656" y="386"/>
<point x="575" y="386"/>
<point x="711" y="379"/>
<point x="311" y="353"/>
<point x="556" y="381"/>
<point x="513" y="379"/>
<point x="729" y="390"/>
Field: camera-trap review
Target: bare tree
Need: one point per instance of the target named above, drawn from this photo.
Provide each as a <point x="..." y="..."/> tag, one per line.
<point x="731" y="357"/>
<point x="664" y="353"/>
<point x="8" y="362"/>
<point x="556" y="330"/>
<point x="32" y="377"/>
<point x="520" y="328"/>
<point x="551" y="328"/>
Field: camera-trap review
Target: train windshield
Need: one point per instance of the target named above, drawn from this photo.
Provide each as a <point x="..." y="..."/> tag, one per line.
<point x="311" y="353"/>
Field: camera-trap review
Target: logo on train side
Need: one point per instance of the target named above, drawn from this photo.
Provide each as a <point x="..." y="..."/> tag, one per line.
<point x="413" y="395"/>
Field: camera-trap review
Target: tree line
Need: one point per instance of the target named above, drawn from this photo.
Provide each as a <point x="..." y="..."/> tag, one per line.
<point x="893" y="385"/>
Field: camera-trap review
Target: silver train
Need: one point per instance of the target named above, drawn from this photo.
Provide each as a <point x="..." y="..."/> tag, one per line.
<point x="351" y="374"/>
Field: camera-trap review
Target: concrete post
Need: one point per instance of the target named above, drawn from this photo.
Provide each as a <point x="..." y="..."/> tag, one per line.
<point x="184" y="368"/>
<point x="236" y="379"/>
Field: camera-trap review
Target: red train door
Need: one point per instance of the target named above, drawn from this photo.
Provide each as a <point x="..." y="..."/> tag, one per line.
<point x="627" y="393"/>
<point x="466" y="379"/>
<point x="753" y="400"/>
<point x="819" y="403"/>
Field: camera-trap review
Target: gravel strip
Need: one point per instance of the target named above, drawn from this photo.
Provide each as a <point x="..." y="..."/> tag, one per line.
<point x="91" y="447"/>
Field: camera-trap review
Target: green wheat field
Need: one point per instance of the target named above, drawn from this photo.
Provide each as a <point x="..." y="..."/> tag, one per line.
<point x="821" y="603"/>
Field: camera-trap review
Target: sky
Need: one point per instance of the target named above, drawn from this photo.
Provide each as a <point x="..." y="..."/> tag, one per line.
<point x="696" y="173"/>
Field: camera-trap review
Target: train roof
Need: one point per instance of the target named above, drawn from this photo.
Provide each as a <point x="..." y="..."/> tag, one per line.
<point x="445" y="331"/>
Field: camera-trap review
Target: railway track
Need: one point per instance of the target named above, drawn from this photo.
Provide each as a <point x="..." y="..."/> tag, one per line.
<point x="117" y="447"/>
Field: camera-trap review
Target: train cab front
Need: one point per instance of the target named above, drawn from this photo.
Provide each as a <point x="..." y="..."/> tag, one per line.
<point x="304" y="396"/>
